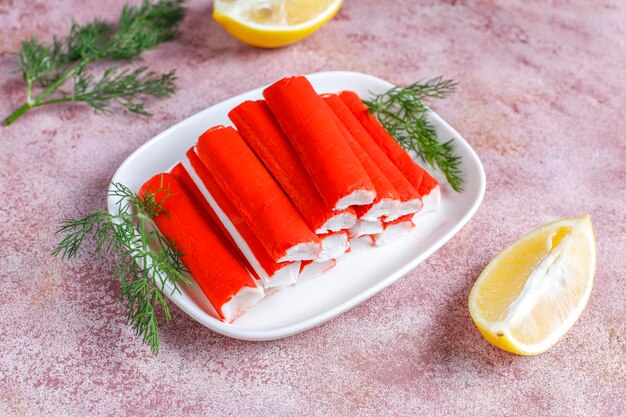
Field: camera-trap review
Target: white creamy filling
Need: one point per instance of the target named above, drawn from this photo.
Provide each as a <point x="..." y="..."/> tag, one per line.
<point x="302" y="252"/>
<point x="366" y="227"/>
<point x="333" y="246"/>
<point x="384" y="207"/>
<point x="431" y="202"/>
<point x="241" y="302"/>
<point x="355" y="198"/>
<point x="284" y="277"/>
<point x="340" y="221"/>
<point x="315" y="269"/>
<point x="405" y="207"/>
<point x="393" y="232"/>
<point x="359" y="244"/>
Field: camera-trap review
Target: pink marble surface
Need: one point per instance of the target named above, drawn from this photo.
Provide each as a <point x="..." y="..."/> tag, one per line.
<point x="542" y="98"/>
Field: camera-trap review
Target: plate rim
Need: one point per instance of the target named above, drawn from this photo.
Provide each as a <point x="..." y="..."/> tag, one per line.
<point x="227" y="329"/>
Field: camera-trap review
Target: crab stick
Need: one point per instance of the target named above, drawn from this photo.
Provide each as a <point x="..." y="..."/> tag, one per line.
<point x="194" y="175"/>
<point x="218" y="271"/>
<point x="259" y="128"/>
<point x="421" y="179"/>
<point x="410" y="199"/>
<point x="259" y="199"/>
<point x="333" y="245"/>
<point x="180" y="173"/>
<point x="395" y="229"/>
<point x="330" y="162"/>
<point x="387" y="198"/>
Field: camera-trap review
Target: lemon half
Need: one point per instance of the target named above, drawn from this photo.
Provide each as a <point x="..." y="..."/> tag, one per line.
<point x="273" y="23"/>
<point x="533" y="292"/>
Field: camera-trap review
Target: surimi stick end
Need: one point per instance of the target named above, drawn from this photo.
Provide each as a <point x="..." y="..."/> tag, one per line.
<point x="358" y="244"/>
<point x="431" y="202"/>
<point x="365" y="227"/>
<point x="340" y="221"/>
<point x="395" y="230"/>
<point x="333" y="245"/>
<point x="406" y="207"/>
<point x="383" y="208"/>
<point x="312" y="270"/>
<point x="356" y="198"/>
<point x="302" y="252"/>
<point x="288" y="275"/>
<point x="241" y="302"/>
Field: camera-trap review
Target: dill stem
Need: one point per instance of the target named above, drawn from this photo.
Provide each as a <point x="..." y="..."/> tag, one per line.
<point x="37" y="101"/>
<point x="29" y="89"/>
<point x="62" y="79"/>
<point x="17" y="113"/>
<point x="53" y="101"/>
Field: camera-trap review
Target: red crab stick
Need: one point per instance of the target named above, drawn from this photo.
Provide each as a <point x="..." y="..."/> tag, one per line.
<point x="259" y="199"/>
<point x="211" y="261"/>
<point x="259" y="128"/>
<point x="308" y="123"/>
<point x="197" y="178"/>
<point x="421" y="179"/>
<point x="184" y="179"/>
<point x="410" y="201"/>
<point x="387" y="198"/>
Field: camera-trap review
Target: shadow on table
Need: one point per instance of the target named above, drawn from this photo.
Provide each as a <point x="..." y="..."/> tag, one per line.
<point x="201" y="38"/>
<point x="458" y="343"/>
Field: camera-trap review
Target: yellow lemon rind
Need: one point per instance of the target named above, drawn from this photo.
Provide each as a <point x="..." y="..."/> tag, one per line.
<point x="273" y="36"/>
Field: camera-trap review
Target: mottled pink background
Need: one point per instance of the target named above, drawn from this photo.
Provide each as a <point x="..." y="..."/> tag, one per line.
<point x="542" y="99"/>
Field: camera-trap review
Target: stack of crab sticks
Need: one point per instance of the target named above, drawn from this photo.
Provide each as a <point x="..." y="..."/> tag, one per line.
<point x="278" y="198"/>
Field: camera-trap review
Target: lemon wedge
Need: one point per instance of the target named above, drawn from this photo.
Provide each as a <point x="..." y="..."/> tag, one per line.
<point x="273" y="23"/>
<point x="533" y="292"/>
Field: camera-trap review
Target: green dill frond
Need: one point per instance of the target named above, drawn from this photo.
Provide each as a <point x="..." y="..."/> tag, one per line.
<point x="146" y="260"/>
<point x="144" y="27"/>
<point x="38" y="62"/>
<point x="88" y="42"/>
<point x="123" y="86"/>
<point x="139" y="28"/>
<point x="402" y="112"/>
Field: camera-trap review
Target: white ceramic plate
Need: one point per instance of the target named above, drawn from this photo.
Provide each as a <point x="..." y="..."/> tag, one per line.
<point x="357" y="276"/>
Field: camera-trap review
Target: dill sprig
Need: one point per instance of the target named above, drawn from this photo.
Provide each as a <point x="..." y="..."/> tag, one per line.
<point x="401" y="110"/>
<point x="48" y="67"/>
<point x="147" y="260"/>
<point x="122" y="86"/>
